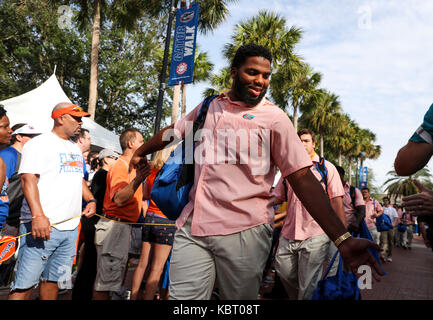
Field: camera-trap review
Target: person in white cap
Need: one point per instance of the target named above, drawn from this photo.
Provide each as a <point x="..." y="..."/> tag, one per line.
<point x="22" y="133"/>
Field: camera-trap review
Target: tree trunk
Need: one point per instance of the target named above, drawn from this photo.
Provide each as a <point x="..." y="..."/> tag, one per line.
<point x="175" y="105"/>
<point x="339" y="158"/>
<point x="321" y="145"/>
<point x="183" y="100"/>
<point x="93" y="87"/>
<point x="350" y="170"/>
<point x="295" y="117"/>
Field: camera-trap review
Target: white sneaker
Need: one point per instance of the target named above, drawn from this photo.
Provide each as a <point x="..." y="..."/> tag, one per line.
<point x="389" y="259"/>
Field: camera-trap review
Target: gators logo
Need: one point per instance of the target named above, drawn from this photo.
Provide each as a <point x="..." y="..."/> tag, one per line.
<point x="187" y="16"/>
<point x="7" y="248"/>
<point x="248" y="116"/>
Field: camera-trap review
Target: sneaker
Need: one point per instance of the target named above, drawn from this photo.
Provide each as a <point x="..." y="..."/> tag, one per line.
<point x="389" y="259"/>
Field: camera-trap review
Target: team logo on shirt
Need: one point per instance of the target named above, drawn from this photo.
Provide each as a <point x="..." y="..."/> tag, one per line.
<point x="71" y="162"/>
<point x="248" y="116"/>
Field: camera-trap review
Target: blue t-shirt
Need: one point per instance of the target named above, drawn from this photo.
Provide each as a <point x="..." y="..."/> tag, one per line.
<point x="9" y="156"/>
<point x="427" y="126"/>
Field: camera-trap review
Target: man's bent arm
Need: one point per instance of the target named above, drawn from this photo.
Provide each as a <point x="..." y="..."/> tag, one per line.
<point x="155" y="143"/>
<point x="412" y="157"/>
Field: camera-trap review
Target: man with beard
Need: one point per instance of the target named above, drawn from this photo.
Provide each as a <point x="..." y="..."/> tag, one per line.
<point x="224" y="233"/>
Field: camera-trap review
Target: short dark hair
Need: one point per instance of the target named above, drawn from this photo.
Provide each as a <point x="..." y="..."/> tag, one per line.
<point x="340" y="170"/>
<point x="365" y="188"/>
<point x="385" y="198"/>
<point x="307" y="131"/>
<point x="81" y="134"/>
<point x="126" y="136"/>
<point x="250" y="50"/>
<point x="2" y="111"/>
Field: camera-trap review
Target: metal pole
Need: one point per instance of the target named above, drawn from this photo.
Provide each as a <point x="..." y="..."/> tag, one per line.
<point x="162" y="84"/>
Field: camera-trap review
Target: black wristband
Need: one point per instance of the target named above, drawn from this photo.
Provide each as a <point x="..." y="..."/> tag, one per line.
<point x="93" y="200"/>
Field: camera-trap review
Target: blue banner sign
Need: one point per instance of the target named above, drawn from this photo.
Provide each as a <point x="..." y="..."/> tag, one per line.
<point x="185" y="34"/>
<point x="363" y="174"/>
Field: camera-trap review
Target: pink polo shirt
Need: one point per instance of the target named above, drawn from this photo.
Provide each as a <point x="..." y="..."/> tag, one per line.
<point x="299" y="224"/>
<point x="372" y="207"/>
<point x="347" y="203"/>
<point x="231" y="188"/>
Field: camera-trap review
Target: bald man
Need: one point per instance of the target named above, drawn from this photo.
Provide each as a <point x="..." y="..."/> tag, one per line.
<point x="52" y="179"/>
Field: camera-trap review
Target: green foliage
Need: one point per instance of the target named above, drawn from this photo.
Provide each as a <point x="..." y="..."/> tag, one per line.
<point x="397" y="186"/>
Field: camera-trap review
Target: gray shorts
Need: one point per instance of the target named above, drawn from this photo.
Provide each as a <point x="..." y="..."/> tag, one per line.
<point x="112" y="241"/>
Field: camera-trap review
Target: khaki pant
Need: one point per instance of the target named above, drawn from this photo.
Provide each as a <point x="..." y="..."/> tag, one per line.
<point x="112" y="242"/>
<point x="386" y="243"/>
<point x="375" y="234"/>
<point x="236" y="262"/>
<point x="299" y="265"/>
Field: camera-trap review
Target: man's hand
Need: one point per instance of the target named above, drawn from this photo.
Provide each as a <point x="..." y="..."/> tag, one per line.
<point x="420" y="204"/>
<point x="354" y="252"/>
<point x="90" y="210"/>
<point x="41" y="228"/>
<point x="143" y="169"/>
<point x="135" y="160"/>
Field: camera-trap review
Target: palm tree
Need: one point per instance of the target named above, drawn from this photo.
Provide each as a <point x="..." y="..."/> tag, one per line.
<point x="397" y="186"/>
<point x="296" y="86"/>
<point x="321" y="115"/>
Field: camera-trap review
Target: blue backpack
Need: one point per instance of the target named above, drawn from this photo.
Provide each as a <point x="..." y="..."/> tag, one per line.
<point x="383" y="223"/>
<point x="174" y="180"/>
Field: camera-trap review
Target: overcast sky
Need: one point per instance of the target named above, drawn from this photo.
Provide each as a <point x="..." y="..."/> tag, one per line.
<point x="376" y="55"/>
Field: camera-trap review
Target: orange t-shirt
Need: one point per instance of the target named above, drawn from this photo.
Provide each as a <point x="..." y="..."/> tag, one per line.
<point x="118" y="177"/>
<point x="149" y="182"/>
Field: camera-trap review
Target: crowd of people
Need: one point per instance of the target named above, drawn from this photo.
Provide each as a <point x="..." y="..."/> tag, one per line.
<point x="86" y="213"/>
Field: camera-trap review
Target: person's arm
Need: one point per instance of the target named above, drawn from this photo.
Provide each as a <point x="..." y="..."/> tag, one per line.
<point x="40" y="224"/>
<point x="337" y="205"/>
<point x="146" y="191"/>
<point x="156" y="143"/>
<point x="90" y="208"/>
<point x="2" y="172"/>
<point x="353" y="251"/>
<point x="125" y="194"/>
<point x="412" y="157"/>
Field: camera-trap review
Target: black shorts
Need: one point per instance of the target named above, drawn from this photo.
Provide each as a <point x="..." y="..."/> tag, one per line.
<point x="158" y="229"/>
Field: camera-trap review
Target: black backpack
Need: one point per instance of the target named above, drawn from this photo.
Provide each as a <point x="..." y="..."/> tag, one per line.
<point x="15" y="195"/>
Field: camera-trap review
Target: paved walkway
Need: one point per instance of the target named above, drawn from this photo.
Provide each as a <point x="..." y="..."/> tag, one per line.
<point x="409" y="277"/>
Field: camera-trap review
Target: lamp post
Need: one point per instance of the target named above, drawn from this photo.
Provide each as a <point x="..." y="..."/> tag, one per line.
<point x="162" y="84"/>
<point x="362" y="156"/>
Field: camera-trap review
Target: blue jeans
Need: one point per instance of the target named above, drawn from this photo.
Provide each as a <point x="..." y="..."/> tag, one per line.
<point x="49" y="260"/>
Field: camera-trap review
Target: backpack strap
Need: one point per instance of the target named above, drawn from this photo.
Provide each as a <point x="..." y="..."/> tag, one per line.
<point x="285" y="188"/>
<point x="320" y="166"/>
<point x="201" y="117"/>
<point x="352" y="193"/>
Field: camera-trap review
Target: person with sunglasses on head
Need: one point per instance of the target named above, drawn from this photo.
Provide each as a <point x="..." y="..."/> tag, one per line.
<point x="52" y="179"/>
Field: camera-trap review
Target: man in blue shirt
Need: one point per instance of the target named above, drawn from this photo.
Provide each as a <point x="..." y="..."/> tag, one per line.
<point x="11" y="156"/>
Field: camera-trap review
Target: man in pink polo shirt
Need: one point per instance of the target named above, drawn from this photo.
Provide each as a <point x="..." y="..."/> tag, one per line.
<point x="303" y="245"/>
<point x="373" y="209"/>
<point x="354" y="204"/>
<point x="224" y="232"/>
